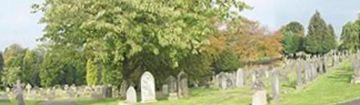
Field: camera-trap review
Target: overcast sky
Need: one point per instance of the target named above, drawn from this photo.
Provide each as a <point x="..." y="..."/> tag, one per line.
<point x="18" y="25"/>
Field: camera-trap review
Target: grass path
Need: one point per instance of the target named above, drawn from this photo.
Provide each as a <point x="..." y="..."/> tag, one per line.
<point x="331" y="88"/>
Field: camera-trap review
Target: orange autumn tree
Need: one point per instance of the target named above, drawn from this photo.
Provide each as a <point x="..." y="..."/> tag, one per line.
<point x="248" y="40"/>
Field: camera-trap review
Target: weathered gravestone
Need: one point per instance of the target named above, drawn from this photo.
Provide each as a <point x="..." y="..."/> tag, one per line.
<point x="275" y="86"/>
<point x="239" y="78"/>
<point x="230" y="80"/>
<point x="165" y="89"/>
<point x="299" y="81"/>
<point x="123" y="87"/>
<point x="183" y="89"/>
<point x="222" y="80"/>
<point x="356" y="71"/>
<point x="19" y="93"/>
<point x="171" y="82"/>
<point x="130" y="95"/>
<point x="147" y="88"/>
<point x="259" y="96"/>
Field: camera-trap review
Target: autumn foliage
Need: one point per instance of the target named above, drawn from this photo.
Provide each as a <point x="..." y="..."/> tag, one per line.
<point x="249" y="41"/>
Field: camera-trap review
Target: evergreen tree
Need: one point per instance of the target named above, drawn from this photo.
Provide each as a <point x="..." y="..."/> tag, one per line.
<point x="332" y="37"/>
<point x="318" y="39"/>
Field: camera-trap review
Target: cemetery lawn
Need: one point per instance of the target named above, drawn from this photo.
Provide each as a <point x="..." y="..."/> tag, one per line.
<point x="333" y="87"/>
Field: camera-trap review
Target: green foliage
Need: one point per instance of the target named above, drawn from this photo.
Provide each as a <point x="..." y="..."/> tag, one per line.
<point x="11" y="75"/>
<point x="114" y="31"/>
<point x="13" y="56"/>
<point x="319" y="39"/>
<point x="226" y="61"/>
<point x="13" y="64"/>
<point x="62" y="66"/>
<point x="31" y="68"/>
<point x="293" y="37"/>
<point x="350" y="36"/>
<point x="92" y="72"/>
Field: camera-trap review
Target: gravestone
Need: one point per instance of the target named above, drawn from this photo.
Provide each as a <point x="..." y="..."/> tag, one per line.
<point x="215" y="81"/>
<point x="123" y="88"/>
<point x="165" y="89"/>
<point x="275" y="86"/>
<point x="130" y="95"/>
<point x="172" y="84"/>
<point x="259" y="96"/>
<point x="19" y="93"/>
<point x="299" y="81"/>
<point x="222" y="80"/>
<point x="147" y="88"/>
<point x="230" y="80"/>
<point x="28" y="88"/>
<point x="183" y="89"/>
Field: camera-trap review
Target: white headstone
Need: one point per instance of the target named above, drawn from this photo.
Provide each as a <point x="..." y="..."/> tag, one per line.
<point x="259" y="98"/>
<point x="239" y="78"/>
<point x="147" y="88"/>
<point x="130" y="95"/>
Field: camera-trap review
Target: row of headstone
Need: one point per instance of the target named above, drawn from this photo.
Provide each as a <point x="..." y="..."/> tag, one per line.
<point x="308" y="67"/>
<point x="65" y="92"/>
<point x="175" y="88"/>
<point x="225" y="80"/>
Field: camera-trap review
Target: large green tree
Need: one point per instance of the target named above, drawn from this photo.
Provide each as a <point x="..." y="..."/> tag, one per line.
<point x="293" y="37"/>
<point x="62" y="65"/>
<point x="31" y="62"/>
<point x="319" y="39"/>
<point x="113" y="31"/>
<point x="350" y="36"/>
<point x="13" y="60"/>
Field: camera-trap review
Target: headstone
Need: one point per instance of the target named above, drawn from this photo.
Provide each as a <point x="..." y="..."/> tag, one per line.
<point x="18" y="90"/>
<point x="147" y="88"/>
<point x="215" y="81"/>
<point x="259" y="98"/>
<point x="130" y="95"/>
<point x="28" y="88"/>
<point x="183" y="89"/>
<point x="165" y="89"/>
<point x="123" y="88"/>
<point x="299" y="81"/>
<point x="275" y="86"/>
<point x="172" y="84"/>
<point x="222" y="80"/>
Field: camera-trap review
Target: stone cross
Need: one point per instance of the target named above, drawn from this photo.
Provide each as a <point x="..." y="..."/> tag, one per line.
<point x="147" y="88"/>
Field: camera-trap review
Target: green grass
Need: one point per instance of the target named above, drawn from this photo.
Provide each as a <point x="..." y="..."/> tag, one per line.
<point x="240" y="96"/>
<point x="331" y="88"/>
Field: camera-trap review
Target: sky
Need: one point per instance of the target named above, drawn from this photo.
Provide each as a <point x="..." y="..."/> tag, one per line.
<point x="18" y="25"/>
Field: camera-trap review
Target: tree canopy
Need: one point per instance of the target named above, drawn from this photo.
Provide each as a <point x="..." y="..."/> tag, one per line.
<point x="319" y="39"/>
